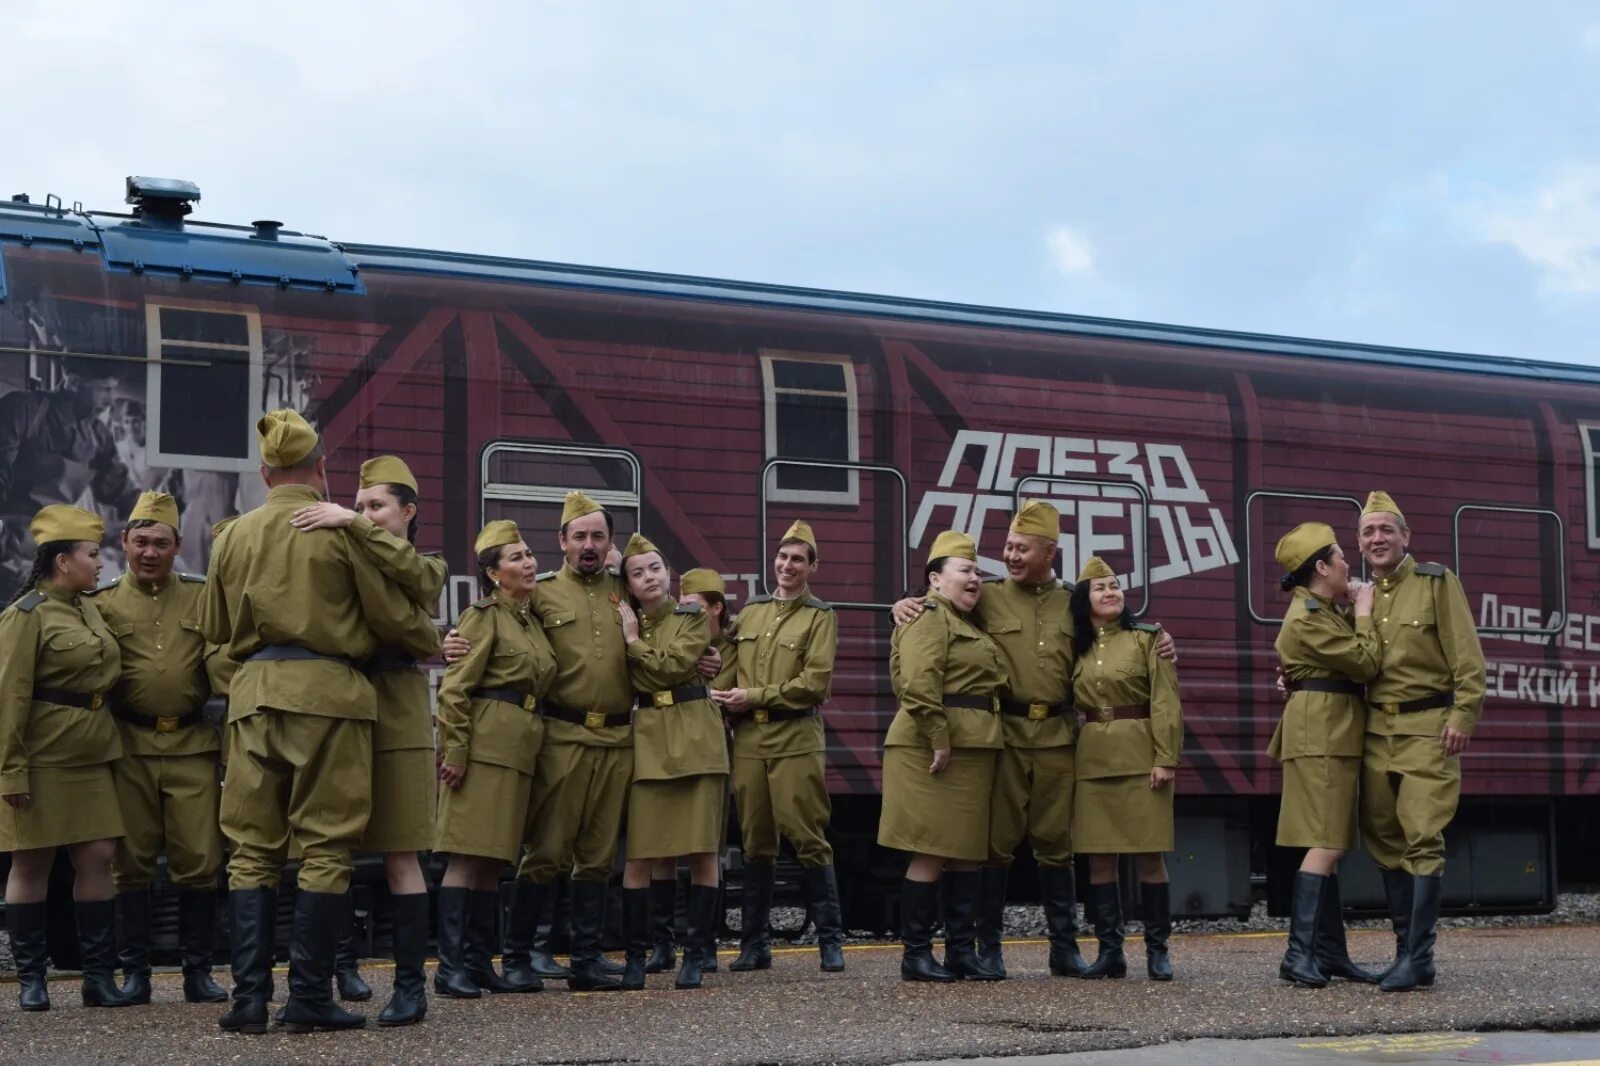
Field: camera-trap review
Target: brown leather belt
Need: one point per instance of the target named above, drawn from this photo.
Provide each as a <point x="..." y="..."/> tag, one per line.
<point x="765" y="715"/>
<point x="1132" y="711"/>
<point x="88" y="701"/>
<point x="163" y="723"/>
<point x="972" y="703"/>
<point x="588" y="719"/>
<point x="1326" y="684"/>
<point x="1035" y="712"/>
<point x="1432" y="702"/>
<point x="668" y="697"/>
<point x="515" y="696"/>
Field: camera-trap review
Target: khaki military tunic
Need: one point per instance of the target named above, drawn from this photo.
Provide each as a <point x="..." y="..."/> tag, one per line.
<point x="299" y="730"/>
<point x="167" y="778"/>
<point x="1033" y="781"/>
<point x="680" y="750"/>
<point x="1409" y="786"/>
<point x="940" y="655"/>
<point x="783" y="652"/>
<point x="1133" y="721"/>
<point x="54" y="640"/>
<point x="403" y="772"/>
<point x="581" y="783"/>
<point x="497" y="740"/>
<point x="1321" y="735"/>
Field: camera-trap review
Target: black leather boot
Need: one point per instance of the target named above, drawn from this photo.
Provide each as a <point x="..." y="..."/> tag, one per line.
<point x="822" y="891"/>
<point x="1299" y="965"/>
<point x="663" y="913"/>
<point x="1397" y="888"/>
<point x="755" y="907"/>
<point x="637" y="907"/>
<point x="483" y="943"/>
<point x="991" y="917"/>
<point x="588" y="921"/>
<point x="961" y="957"/>
<point x="319" y="920"/>
<point x="1058" y="890"/>
<point x="197" y="931"/>
<point x="1106" y="902"/>
<point x="919" y="902"/>
<point x="97" y="937"/>
<point x="700" y="933"/>
<point x="527" y="960"/>
<point x="25" y="922"/>
<point x="346" y="972"/>
<point x="133" y="943"/>
<point x="409" y="1002"/>
<point x="1415" y="970"/>
<point x="450" y="976"/>
<point x="1155" y="898"/>
<point x="252" y="922"/>
<point x="1332" y="949"/>
<point x="607" y="966"/>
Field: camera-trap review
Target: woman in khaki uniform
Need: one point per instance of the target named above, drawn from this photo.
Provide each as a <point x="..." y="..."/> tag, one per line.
<point x="680" y="761"/>
<point x="489" y="734"/>
<point x="384" y="526"/>
<point x="1327" y="657"/>
<point x="57" y="743"/>
<point x="939" y="763"/>
<point x="1127" y="759"/>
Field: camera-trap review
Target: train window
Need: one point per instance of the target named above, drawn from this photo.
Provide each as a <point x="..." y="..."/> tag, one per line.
<point x="1268" y="516"/>
<point x="203" y="357"/>
<point x="527" y="482"/>
<point x="811" y="413"/>
<point x="1589" y="433"/>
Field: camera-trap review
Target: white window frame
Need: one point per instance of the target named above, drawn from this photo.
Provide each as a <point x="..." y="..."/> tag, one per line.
<point x="770" y="392"/>
<point x="155" y="355"/>
<point x="1591" y="525"/>
<point x="511" y="492"/>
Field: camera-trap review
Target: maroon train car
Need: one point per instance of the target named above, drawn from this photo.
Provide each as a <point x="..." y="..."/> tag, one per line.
<point x="712" y="413"/>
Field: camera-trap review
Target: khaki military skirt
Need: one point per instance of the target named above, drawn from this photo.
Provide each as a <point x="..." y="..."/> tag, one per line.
<point x="681" y="816"/>
<point x="70" y="805"/>
<point x="1121" y="816"/>
<point x="944" y="814"/>
<point x="1319" y="802"/>
<point x="486" y="815"/>
<point x="404" y="788"/>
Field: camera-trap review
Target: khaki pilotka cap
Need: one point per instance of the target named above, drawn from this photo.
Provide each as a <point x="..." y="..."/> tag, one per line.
<point x="64" y="522"/>
<point x="155" y="507"/>
<point x="800" y="531"/>
<point x="952" y="544"/>
<point x="1301" y="543"/>
<point x="576" y="506"/>
<point x="1037" y="519"/>
<point x="701" y="581"/>
<point x="387" y="470"/>
<point x="285" y="438"/>
<point x="1096" y="567"/>
<point x="496" y="534"/>
<point x="639" y="544"/>
<point x="1378" y="500"/>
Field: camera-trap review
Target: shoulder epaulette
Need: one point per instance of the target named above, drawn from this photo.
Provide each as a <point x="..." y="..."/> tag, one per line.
<point x="198" y="579"/>
<point x="217" y="528"/>
<point x="431" y="555"/>
<point x="547" y="575"/>
<point x="821" y="605"/>
<point x="486" y="602"/>
<point x="614" y="571"/>
<point x="30" y="601"/>
<point x="928" y="603"/>
<point x="763" y="598"/>
<point x="1431" y="569"/>
<point x="108" y="585"/>
<point x="687" y="608"/>
<point x="1312" y="603"/>
<point x="992" y="578"/>
<point x="1144" y="627"/>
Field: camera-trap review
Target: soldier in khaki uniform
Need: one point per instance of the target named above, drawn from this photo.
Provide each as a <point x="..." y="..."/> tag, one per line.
<point x="680" y="762"/>
<point x="383" y="526"/>
<point x="167" y="781"/>
<point x="1127" y="760"/>
<point x="299" y="613"/>
<point x="938" y="763"/>
<point x="1421" y="712"/>
<point x="1327" y="657"/>
<point x="784" y="647"/>
<point x="58" y="664"/>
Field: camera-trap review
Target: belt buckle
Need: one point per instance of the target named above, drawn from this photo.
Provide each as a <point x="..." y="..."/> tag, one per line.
<point x="96" y="701"/>
<point x="1106" y="714"/>
<point x="1389" y="708"/>
<point x="166" y="724"/>
<point x="530" y="703"/>
<point x="661" y="699"/>
<point x="761" y="716"/>
<point x="594" y="720"/>
<point x="994" y="704"/>
<point x="1038" y="712"/>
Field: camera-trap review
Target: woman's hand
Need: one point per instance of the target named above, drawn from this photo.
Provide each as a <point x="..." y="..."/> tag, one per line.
<point x="710" y="664"/>
<point x="452" y="775"/>
<point x="736" y="700"/>
<point x="1361" y="597"/>
<point x="906" y="611"/>
<point x="941" y="759"/>
<point x="630" y="622"/>
<point x="455" y="646"/>
<point x="20" y="801"/>
<point x="1161" y="776"/>
<point x="322" y="516"/>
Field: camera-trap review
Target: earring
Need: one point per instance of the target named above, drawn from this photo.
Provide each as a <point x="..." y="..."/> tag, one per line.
<point x="496" y="582"/>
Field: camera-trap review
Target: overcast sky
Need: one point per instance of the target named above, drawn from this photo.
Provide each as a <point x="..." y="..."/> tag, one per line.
<point x="1410" y="174"/>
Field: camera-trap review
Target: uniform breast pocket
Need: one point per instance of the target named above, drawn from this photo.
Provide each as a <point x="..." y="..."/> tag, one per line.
<point x="191" y="630"/>
<point x="555" y="620"/>
<point x="121" y="632"/>
<point x="1003" y="627"/>
<point x="509" y="664"/>
<point x="74" y="648"/>
<point x="1419" y="620"/>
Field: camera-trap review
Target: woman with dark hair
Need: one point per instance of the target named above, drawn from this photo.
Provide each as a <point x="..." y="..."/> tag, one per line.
<point x="680" y="762"/>
<point x="1127" y="760"/>
<point x="489" y="734"/>
<point x="58" y="660"/>
<point x="384" y="526"/>
<point x="939" y="763"/>
<point x="1326" y="656"/>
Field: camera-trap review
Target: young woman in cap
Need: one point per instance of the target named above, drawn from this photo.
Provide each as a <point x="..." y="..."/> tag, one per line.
<point x="57" y="743"/>
<point x="1127" y="760"/>
<point x="939" y="763"/>
<point x="680" y="762"/>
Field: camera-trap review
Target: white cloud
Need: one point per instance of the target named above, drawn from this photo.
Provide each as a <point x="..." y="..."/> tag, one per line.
<point x="1070" y="250"/>
<point x="1558" y="231"/>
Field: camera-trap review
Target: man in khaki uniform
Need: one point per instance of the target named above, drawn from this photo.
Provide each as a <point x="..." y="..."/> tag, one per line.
<point x="299" y="613"/>
<point x="1422" y="709"/>
<point x="784" y="647"/>
<point x="167" y="777"/>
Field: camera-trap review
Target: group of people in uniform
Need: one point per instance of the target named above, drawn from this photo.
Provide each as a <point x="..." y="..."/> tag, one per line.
<point x="585" y="698"/>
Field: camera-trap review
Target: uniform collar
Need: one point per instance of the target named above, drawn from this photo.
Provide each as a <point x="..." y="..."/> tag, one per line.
<point x="504" y="599"/>
<point x="1106" y="629"/>
<point x="294" y="493"/>
<point x="798" y="597"/>
<point x="944" y="600"/>
<point x="139" y="586"/>
<point x="587" y="579"/>
<point x="1032" y="588"/>
<point x="53" y="591"/>
<point x="1302" y="592"/>
<point x="1401" y="572"/>
<point x="662" y="609"/>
